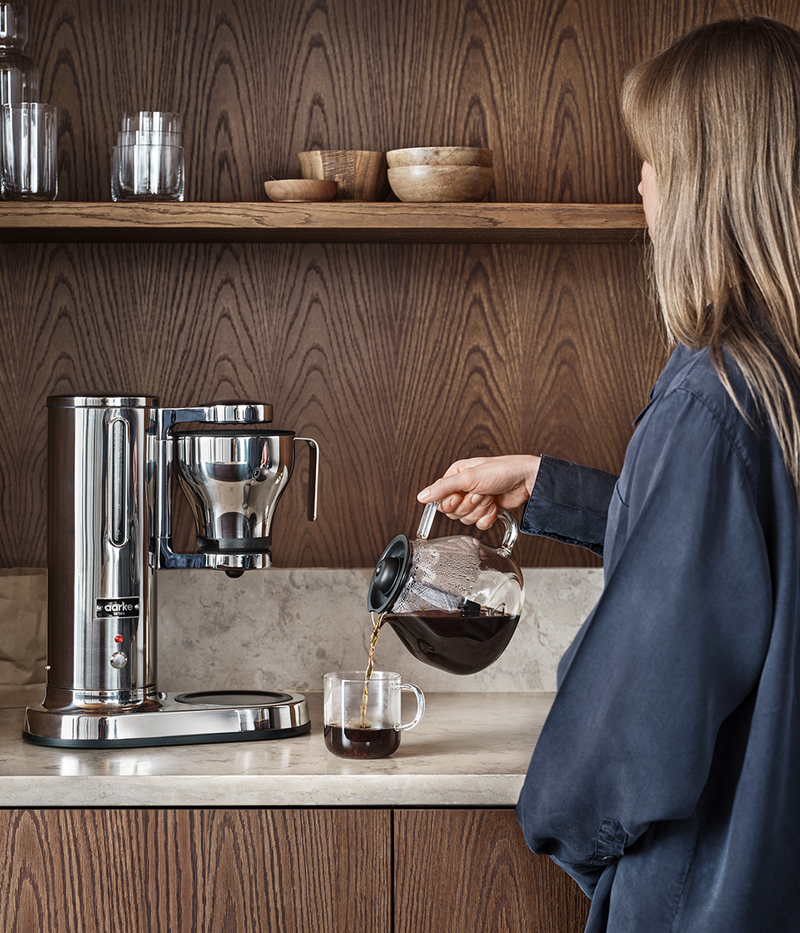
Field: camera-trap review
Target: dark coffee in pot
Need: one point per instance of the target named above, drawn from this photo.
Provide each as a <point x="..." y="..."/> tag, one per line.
<point x="461" y="643"/>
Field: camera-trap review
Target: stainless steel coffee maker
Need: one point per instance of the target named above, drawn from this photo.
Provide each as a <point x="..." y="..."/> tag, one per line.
<point x="111" y="475"/>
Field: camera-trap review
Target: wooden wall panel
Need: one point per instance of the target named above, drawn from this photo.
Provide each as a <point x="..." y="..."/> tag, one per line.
<point x="259" y="80"/>
<point x="195" y="871"/>
<point x="479" y="875"/>
<point x="398" y="359"/>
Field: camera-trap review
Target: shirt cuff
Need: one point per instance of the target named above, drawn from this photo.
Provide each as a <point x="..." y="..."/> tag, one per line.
<point x="569" y="503"/>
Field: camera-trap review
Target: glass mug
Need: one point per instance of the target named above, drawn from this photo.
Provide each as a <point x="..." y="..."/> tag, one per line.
<point x="362" y="720"/>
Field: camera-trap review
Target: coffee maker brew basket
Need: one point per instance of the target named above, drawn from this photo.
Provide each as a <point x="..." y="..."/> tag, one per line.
<point x="233" y="479"/>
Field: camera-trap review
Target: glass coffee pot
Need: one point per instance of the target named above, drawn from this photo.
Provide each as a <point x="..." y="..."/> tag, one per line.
<point x="454" y="602"/>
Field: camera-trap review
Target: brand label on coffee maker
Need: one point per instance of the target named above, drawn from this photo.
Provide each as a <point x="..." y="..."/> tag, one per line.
<point x="123" y="608"/>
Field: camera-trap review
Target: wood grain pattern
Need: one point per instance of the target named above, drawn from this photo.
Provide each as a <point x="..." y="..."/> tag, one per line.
<point x="259" y="81"/>
<point x="477" y="873"/>
<point x="195" y="871"/>
<point x="130" y="222"/>
<point x="396" y="357"/>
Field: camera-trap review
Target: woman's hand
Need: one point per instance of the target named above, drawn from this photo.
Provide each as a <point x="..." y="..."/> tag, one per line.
<point x="473" y="490"/>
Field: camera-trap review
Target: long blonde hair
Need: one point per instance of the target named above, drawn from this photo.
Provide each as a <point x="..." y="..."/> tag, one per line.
<point x="717" y="116"/>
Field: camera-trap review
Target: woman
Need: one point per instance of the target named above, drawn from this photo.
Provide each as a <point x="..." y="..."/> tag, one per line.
<point x="665" y="780"/>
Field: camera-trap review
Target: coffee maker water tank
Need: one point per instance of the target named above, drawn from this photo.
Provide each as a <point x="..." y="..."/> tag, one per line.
<point x="101" y="588"/>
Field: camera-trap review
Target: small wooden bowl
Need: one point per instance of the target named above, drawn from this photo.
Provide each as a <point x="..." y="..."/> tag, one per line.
<point x="360" y="173"/>
<point x="300" y="189"/>
<point x="441" y="182"/>
<point x="440" y="155"/>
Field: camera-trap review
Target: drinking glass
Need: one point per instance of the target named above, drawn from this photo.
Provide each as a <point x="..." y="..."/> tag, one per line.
<point x="19" y="74"/>
<point x="152" y="121"/>
<point x="362" y="718"/>
<point x="29" y="170"/>
<point x="148" y="138"/>
<point x="147" y="173"/>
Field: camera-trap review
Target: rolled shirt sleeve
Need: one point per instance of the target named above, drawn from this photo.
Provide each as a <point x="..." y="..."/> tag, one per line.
<point x="570" y="504"/>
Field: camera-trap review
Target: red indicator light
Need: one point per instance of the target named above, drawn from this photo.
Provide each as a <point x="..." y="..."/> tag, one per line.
<point x="118" y="639"/>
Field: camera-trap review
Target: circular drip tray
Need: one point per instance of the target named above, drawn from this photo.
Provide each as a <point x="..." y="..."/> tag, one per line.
<point x="201" y="717"/>
<point x="234" y="698"/>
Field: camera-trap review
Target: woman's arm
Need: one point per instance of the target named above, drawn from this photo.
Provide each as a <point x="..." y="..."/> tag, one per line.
<point x="564" y="501"/>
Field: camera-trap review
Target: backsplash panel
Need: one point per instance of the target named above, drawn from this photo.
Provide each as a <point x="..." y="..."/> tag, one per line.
<point x="284" y="629"/>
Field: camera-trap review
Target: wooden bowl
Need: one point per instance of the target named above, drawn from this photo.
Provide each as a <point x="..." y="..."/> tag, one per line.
<point x="360" y="173"/>
<point x="441" y="182"/>
<point x="439" y="155"/>
<point x="300" y="189"/>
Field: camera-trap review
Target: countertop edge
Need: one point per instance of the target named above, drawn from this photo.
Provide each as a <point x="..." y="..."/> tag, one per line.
<point x="464" y="790"/>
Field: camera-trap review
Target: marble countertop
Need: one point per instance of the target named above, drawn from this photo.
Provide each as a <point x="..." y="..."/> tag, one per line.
<point x="469" y="750"/>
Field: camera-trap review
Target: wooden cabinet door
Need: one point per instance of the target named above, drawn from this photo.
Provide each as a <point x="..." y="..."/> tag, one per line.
<point x="470" y="870"/>
<point x="195" y="871"/>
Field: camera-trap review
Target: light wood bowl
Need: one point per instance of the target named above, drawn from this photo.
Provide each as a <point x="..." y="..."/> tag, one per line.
<point x="300" y="189"/>
<point x="441" y="182"/>
<point x="360" y="173"/>
<point x="439" y="155"/>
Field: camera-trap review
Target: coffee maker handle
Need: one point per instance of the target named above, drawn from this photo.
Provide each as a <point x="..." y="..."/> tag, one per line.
<point x="509" y="537"/>
<point x="313" y="476"/>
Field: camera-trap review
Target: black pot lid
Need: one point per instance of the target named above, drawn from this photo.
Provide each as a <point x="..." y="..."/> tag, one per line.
<point x="389" y="576"/>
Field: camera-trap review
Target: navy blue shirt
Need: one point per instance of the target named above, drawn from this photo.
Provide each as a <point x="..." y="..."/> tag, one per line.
<point x="666" y="779"/>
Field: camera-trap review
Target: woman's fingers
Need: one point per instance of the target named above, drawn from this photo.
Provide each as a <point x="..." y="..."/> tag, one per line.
<point x="472" y="490"/>
<point x="462" y="478"/>
<point x="472" y="509"/>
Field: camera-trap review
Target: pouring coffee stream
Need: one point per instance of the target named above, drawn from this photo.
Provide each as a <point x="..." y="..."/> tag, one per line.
<point x="377" y="623"/>
<point x="454" y="602"/>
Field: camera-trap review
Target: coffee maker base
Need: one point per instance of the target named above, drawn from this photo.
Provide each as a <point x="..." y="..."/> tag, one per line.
<point x="185" y="719"/>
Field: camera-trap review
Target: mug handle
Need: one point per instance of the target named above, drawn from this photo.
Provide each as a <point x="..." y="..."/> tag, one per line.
<point x="420" y="706"/>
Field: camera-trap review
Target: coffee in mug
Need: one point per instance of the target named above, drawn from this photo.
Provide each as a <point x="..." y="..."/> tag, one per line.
<point x="362" y="718"/>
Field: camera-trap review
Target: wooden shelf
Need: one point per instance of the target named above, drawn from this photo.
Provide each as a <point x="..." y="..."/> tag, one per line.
<point x="333" y="222"/>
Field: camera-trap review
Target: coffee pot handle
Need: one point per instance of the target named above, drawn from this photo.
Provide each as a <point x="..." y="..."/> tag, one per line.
<point x="426" y="521"/>
<point x="313" y="475"/>
<point x="511" y="532"/>
<point x="509" y="537"/>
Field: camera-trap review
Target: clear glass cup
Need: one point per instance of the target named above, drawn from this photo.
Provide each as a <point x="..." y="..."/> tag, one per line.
<point x="151" y="121"/>
<point x="146" y="138"/>
<point x="19" y="74"/>
<point x="28" y="169"/>
<point x="363" y="719"/>
<point x="147" y="173"/>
